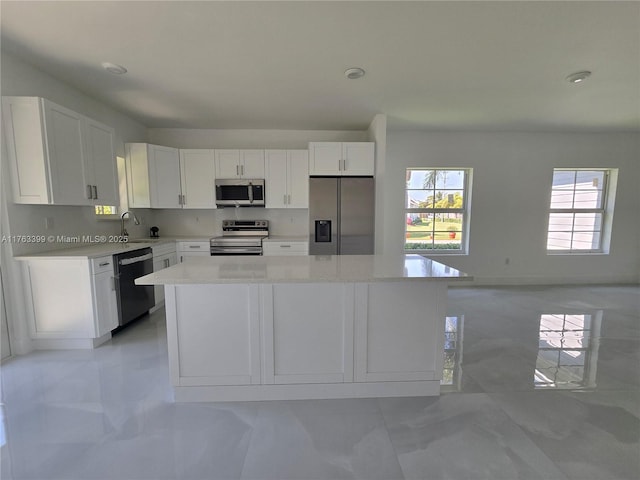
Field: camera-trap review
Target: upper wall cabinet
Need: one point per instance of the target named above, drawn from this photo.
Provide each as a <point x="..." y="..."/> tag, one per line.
<point x="153" y="176"/>
<point x="239" y="163"/>
<point x="197" y="178"/>
<point x="287" y="179"/>
<point x="57" y="156"/>
<point x="165" y="177"/>
<point x="342" y="158"/>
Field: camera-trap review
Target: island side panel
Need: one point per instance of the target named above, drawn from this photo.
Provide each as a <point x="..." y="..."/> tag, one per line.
<point x="400" y="331"/>
<point x="308" y="333"/>
<point x="213" y="331"/>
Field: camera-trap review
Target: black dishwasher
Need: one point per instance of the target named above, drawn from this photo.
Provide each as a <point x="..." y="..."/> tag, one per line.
<point x="133" y="300"/>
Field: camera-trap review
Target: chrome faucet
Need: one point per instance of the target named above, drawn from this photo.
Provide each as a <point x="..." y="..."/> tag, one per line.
<point x="123" y="231"/>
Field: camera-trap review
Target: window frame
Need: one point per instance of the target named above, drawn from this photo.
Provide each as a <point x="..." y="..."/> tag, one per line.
<point x="603" y="210"/>
<point x="464" y="211"/>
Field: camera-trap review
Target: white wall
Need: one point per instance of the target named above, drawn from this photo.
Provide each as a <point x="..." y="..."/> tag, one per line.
<point x="512" y="175"/>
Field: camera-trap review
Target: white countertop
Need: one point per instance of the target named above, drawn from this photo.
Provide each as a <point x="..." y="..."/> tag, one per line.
<point x="104" y="247"/>
<point x="303" y="269"/>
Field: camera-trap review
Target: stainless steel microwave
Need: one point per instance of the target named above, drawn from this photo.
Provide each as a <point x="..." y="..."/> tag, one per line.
<point x="240" y="192"/>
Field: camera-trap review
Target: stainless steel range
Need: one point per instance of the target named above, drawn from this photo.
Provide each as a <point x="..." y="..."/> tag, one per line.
<point x="240" y="237"/>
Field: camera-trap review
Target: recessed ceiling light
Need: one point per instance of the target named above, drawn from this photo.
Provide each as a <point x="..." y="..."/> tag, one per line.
<point x="114" y="68"/>
<point x="354" y="73"/>
<point x="578" y="77"/>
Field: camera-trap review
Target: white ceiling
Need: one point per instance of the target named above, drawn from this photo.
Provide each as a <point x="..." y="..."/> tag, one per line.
<point x="430" y="65"/>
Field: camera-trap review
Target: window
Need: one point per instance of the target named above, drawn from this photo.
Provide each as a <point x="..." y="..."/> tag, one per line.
<point x="436" y="210"/>
<point x="105" y="212"/>
<point x="578" y="209"/>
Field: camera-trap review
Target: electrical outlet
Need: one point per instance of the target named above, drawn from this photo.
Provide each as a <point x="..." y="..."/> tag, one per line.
<point x="507" y="261"/>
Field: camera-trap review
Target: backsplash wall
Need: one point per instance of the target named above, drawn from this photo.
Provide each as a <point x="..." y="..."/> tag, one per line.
<point x="208" y="223"/>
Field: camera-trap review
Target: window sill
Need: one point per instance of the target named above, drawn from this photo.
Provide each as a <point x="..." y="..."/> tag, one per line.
<point x="572" y="254"/>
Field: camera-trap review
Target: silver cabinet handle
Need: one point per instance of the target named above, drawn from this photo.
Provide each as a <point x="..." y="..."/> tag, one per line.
<point x="179" y="199"/>
<point x="238" y="170"/>
<point x="284" y="199"/>
<point x="285" y="246"/>
<point x="344" y="165"/>
<point x="104" y="264"/>
<point x="184" y="199"/>
<point x="242" y="170"/>
<point x="89" y="192"/>
<point x="95" y="192"/>
<point x="195" y="246"/>
<point x="289" y="199"/>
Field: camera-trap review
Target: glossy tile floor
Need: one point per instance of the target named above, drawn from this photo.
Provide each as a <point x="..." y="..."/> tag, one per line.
<point x="543" y="383"/>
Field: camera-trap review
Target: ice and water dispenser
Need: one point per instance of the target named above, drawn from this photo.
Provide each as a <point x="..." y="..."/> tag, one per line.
<point x="323" y="231"/>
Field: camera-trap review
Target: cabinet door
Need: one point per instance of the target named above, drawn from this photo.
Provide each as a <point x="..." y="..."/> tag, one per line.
<point x="101" y="162"/>
<point x="164" y="169"/>
<point x="197" y="174"/>
<point x="104" y="303"/>
<point x="306" y="338"/>
<point x="137" y="165"/>
<point x="68" y="168"/>
<point x="298" y="179"/>
<point x="276" y="179"/>
<point x="26" y="149"/>
<point x="324" y="158"/>
<point x="227" y="163"/>
<point x="252" y="163"/>
<point x="358" y="158"/>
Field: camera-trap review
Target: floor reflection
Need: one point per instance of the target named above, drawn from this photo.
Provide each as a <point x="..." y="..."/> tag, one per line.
<point x="568" y="351"/>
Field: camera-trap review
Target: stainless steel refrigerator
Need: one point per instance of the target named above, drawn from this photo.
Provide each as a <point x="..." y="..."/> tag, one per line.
<point x="341" y="215"/>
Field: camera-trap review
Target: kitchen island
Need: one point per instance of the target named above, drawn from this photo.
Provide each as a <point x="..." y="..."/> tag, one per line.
<point x="294" y="327"/>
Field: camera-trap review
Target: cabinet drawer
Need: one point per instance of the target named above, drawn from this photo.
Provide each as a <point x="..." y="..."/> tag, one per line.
<point x="193" y="246"/>
<point x="163" y="249"/>
<point x="285" y="248"/>
<point x="102" y="264"/>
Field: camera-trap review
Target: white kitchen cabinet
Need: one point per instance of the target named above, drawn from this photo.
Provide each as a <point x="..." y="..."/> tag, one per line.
<point x="307" y="339"/>
<point x="153" y="176"/>
<point x="58" y="156"/>
<point x="164" y="256"/>
<point x="104" y="296"/>
<point x="274" y="248"/>
<point x="165" y="177"/>
<point x="342" y="158"/>
<point x="193" y="249"/>
<point x="164" y="174"/>
<point x="197" y="176"/>
<point x="74" y="301"/>
<point x="233" y="163"/>
<point x="221" y="345"/>
<point x="102" y="166"/>
<point x="287" y="178"/>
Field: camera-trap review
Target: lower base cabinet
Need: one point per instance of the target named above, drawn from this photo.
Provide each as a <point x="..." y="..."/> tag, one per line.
<point x="74" y="301"/>
<point x="305" y="340"/>
<point x="164" y="256"/>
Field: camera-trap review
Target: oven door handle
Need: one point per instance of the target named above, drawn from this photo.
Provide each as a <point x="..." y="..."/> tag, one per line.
<point x="141" y="258"/>
<point x="236" y="251"/>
